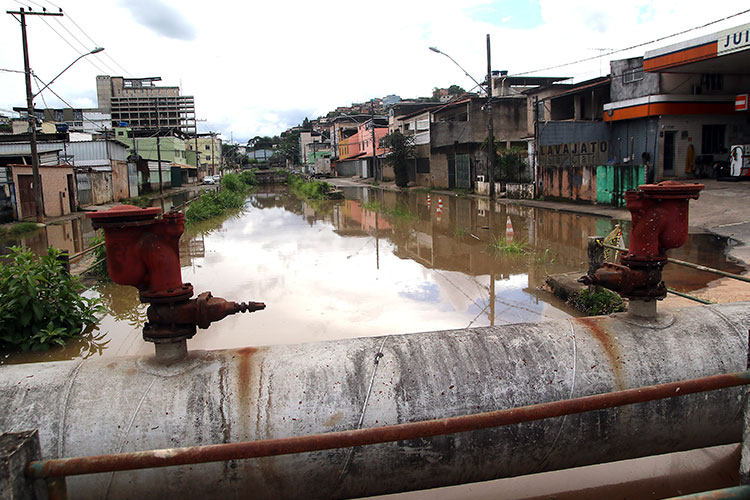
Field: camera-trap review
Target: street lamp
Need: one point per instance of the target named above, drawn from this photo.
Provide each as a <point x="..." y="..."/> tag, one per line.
<point x="438" y="51"/>
<point x="95" y="51"/>
<point x="32" y="123"/>
<point x="490" y="120"/>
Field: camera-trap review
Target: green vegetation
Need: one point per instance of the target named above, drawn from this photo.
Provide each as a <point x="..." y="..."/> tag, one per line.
<point x="426" y="190"/>
<point x="311" y="190"/>
<point x="231" y="197"/>
<point x="100" y="257"/>
<point x="601" y="301"/>
<point x="401" y="150"/>
<point x="500" y="246"/>
<point x="42" y="302"/>
<point x="139" y="201"/>
<point x="18" y="228"/>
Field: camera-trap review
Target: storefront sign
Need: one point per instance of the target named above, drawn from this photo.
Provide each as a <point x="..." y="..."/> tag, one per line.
<point x="740" y="102"/>
<point x="574" y="154"/>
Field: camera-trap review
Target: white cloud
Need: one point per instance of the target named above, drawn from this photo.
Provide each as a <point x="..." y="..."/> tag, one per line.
<point x="256" y="68"/>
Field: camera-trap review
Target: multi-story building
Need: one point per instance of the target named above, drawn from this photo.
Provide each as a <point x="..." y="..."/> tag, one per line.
<point x="208" y="149"/>
<point x="139" y="103"/>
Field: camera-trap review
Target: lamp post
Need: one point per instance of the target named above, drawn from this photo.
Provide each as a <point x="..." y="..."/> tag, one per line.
<point x="488" y="107"/>
<point x="32" y="122"/>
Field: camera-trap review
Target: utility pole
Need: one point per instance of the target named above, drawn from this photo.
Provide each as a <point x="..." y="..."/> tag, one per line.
<point x="158" y="149"/>
<point x="38" y="203"/>
<point x="490" y="125"/>
<point x="376" y="170"/>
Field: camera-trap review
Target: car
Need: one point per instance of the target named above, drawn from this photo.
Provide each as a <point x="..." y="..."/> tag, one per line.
<point x="217" y="178"/>
<point x="208" y="180"/>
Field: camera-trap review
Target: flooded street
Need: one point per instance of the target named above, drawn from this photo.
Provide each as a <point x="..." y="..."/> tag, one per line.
<point x="376" y="263"/>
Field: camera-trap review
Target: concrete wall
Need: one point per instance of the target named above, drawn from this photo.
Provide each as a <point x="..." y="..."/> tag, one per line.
<point x="54" y="186"/>
<point x="574" y="183"/>
<point x="619" y="90"/>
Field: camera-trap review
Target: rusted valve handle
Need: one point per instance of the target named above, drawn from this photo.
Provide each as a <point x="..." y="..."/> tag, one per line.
<point x="201" y="311"/>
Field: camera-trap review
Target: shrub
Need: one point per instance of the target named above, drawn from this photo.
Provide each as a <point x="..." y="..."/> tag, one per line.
<point x="601" y="301"/>
<point x="42" y="302"/>
<point x="232" y="182"/>
<point x="100" y="257"/>
<point x="248" y="177"/>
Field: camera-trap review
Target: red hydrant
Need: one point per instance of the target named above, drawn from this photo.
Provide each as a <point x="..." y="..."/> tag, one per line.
<point x="659" y="215"/>
<point x="143" y="251"/>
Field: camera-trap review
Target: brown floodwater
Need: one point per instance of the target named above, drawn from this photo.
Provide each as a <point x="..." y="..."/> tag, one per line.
<point x="376" y="263"/>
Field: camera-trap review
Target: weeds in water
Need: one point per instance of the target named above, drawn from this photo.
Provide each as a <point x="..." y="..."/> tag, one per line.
<point x="212" y="203"/>
<point x="310" y="190"/>
<point x="18" y="229"/>
<point x="545" y="258"/>
<point x="100" y="257"/>
<point x="500" y="246"/>
<point x="459" y="232"/>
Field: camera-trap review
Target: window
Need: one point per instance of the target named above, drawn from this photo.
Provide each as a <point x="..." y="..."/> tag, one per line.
<point x="208" y="148"/>
<point x="423" y="165"/>
<point x="208" y="157"/>
<point x="632" y="75"/>
<point x="712" y="141"/>
<point x="712" y="81"/>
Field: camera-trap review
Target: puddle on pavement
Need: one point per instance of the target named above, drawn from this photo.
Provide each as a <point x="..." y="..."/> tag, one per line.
<point x="376" y="263"/>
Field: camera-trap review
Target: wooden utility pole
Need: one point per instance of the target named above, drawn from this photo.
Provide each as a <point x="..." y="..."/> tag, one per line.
<point x="490" y="125"/>
<point x="38" y="200"/>
<point x="158" y="148"/>
<point x="375" y="169"/>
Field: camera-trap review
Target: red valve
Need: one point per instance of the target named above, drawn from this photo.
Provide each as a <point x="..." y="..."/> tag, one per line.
<point x="143" y="251"/>
<point x="659" y="214"/>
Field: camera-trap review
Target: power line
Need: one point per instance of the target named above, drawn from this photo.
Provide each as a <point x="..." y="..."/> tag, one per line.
<point x="68" y="104"/>
<point x="634" y="46"/>
<point x="106" y="54"/>
<point x="71" y="45"/>
<point x="12" y="70"/>
<point x="83" y="45"/>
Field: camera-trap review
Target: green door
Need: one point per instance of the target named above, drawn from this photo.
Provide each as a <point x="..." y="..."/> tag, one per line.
<point x="463" y="180"/>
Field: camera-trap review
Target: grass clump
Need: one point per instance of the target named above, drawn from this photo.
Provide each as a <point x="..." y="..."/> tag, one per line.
<point x="42" y="302"/>
<point x="214" y="203"/>
<point x="501" y="246"/>
<point x="600" y="301"/>
<point x="18" y="228"/>
<point x="315" y="190"/>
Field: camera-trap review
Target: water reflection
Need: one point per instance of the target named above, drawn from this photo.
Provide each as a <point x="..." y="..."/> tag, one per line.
<point x="377" y="263"/>
<point x="70" y="235"/>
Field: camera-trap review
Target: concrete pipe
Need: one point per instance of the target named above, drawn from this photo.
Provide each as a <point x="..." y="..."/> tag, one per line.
<point x="128" y="404"/>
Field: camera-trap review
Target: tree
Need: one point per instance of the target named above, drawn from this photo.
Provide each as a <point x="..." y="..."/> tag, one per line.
<point x="456" y="90"/>
<point x="401" y="151"/>
<point x="306" y="125"/>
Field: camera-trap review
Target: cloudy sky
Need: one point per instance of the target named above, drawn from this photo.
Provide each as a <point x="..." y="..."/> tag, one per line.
<point x="257" y="68"/>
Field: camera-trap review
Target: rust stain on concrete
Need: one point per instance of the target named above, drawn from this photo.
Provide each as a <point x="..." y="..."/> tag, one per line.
<point x="609" y="344"/>
<point x="335" y="419"/>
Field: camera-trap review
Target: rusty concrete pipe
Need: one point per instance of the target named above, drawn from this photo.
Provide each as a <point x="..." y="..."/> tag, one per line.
<point x="101" y="406"/>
